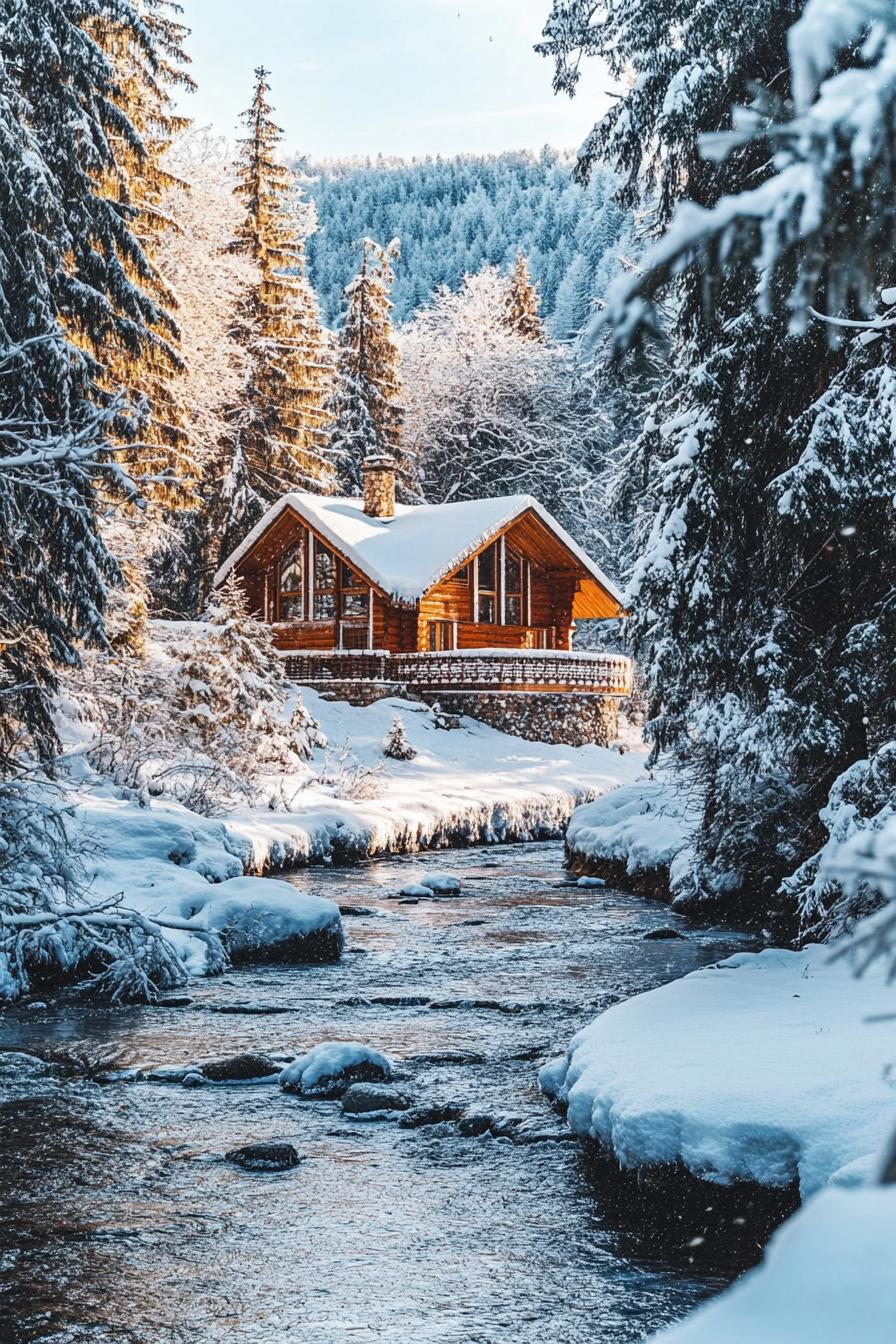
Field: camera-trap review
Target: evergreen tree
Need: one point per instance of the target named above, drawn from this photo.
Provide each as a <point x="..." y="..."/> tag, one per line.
<point x="55" y="473"/>
<point x="366" y="414"/>
<point x="396" y="744"/>
<point x="145" y="49"/>
<point x="523" y="304"/>
<point x="280" y="424"/>
<point x="712" y="595"/>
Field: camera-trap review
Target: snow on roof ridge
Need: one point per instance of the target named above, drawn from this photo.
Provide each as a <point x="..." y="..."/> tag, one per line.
<point x="399" y="556"/>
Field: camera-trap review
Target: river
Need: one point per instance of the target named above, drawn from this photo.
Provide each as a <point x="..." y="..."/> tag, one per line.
<point x="122" y="1225"/>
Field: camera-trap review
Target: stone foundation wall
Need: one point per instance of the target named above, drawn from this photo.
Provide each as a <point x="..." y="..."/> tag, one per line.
<point x="361" y="693"/>
<point x="571" y="719"/>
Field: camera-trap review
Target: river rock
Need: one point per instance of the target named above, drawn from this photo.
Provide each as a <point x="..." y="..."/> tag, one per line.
<point x="364" y="1098"/>
<point x="444" y="884"/>
<point x="449" y="1057"/>
<point x="264" y="1157"/>
<point x="238" y="1069"/>
<point x="654" y="935"/>
<point x="174" y="1001"/>
<point x="328" y="1070"/>
<point x="591" y="882"/>
<point x="419" y="889"/>
<point x="356" y="911"/>
<point x="472" y="1126"/>
<point x="418" y="1117"/>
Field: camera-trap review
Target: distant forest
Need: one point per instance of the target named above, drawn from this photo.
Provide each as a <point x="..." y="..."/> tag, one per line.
<point x="455" y="215"/>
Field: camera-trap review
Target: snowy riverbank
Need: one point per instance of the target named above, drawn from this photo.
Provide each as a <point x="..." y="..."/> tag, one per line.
<point x="197" y="874"/>
<point x="636" y="836"/>
<point x="472" y="785"/>
<point x="769" y="1068"/>
<point x="827" y="1278"/>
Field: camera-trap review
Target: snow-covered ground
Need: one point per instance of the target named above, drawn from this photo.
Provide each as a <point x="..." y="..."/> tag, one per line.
<point x="769" y="1067"/>
<point x="641" y="827"/>
<point x="471" y="785"/>
<point x="828" y="1277"/>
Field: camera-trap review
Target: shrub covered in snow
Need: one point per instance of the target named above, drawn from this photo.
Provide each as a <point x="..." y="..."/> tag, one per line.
<point x="51" y="926"/>
<point x="202" y="714"/>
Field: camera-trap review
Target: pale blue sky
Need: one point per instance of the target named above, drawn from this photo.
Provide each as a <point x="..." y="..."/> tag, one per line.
<point x="387" y="76"/>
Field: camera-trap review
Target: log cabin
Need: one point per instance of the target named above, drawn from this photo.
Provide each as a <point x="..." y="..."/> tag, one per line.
<point x="478" y="595"/>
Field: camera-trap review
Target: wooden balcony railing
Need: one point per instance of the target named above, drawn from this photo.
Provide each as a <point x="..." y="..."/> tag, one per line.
<point x="469" y="670"/>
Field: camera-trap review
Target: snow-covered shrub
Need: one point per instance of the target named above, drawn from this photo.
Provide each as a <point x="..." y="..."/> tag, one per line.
<point x="232" y="691"/>
<point x="50" y="928"/>
<point x="203" y="715"/>
<point x="396" y="744"/>
<point x="345" y="776"/>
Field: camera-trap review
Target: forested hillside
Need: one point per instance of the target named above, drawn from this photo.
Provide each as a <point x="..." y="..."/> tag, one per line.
<point x="453" y="216"/>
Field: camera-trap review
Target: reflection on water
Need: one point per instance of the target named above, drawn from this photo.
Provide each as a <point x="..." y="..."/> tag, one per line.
<point x="121" y="1225"/>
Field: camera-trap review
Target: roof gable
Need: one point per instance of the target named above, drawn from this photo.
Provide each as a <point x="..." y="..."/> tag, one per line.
<point x="409" y="554"/>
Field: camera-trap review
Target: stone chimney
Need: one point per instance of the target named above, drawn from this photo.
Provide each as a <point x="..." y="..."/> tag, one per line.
<point x="378" y="475"/>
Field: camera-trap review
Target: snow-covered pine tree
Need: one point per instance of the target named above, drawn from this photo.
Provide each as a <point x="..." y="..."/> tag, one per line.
<point x="55" y="570"/>
<point x="523" y="306"/>
<point x="712" y="618"/>
<point x="211" y="282"/>
<point x="820" y="234"/>
<point x="366" y="414"/>
<point x="144" y="45"/>
<point x="279" y="424"/>
<point x="232" y="695"/>
<point x="396" y="745"/>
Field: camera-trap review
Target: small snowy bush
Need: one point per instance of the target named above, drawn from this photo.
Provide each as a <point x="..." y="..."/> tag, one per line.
<point x="396" y="745"/>
<point x="345" y="776"/>
<point x="202" y="715"/>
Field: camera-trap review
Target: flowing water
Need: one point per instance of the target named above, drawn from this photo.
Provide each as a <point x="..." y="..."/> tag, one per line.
<point x="121" y="1223"/>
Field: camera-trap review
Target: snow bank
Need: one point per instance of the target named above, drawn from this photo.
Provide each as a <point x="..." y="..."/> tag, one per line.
<point x="828" y="1277"/>
<point x="474" y="785"/>
<point x="641" y="827"/>
<point x="170" y="864"/>
<point x="766" y="1068"/>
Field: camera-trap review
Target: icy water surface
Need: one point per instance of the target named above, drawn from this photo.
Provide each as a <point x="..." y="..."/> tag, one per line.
<point x="121" y="1224"/>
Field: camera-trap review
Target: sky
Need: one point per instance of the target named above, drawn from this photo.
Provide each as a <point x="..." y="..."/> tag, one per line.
<point x="402" y="77"/>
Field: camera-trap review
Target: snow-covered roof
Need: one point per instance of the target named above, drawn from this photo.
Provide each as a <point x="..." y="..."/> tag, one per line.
<point x="409" y="554"/>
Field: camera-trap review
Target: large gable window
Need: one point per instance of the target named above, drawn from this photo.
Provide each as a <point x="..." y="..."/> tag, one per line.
<point x="354" y="597"/>
<point x="513" y="588"/>
<point x="487" y="595"/>
<point x="292" y="583"/>
<point x="324" y="584"/>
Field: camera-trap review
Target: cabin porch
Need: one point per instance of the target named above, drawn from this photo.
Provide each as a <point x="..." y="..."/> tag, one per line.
<point x="535" y="670"/>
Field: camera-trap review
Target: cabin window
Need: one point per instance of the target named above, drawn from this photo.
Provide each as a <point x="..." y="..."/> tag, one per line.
<point x="292" y="583"/>
<point x="513" y="588"/>
<point x="488" y="587"/>
<point x="324" y="584"/>
<point x="462" y="575"/>
<point x="355" y="596"/>
<point x="441" y="636"/>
